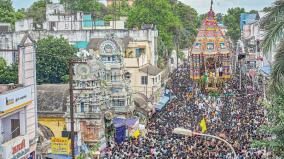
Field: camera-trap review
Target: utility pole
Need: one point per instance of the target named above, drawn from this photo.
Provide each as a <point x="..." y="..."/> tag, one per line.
<point x="71" y="89"/>
<point x="147" y="84"/>
<point x="177" y="45"/>
<point x="240" y="74"/>
<point x="71" y="107"/>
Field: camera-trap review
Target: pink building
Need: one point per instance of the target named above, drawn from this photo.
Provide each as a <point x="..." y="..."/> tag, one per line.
<point x="18" y="121"/>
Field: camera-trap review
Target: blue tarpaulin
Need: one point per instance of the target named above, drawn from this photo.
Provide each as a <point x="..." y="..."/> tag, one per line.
<point x="163" y="101"/>
<point x="120" y="134"/>
<point x="89" y="23"/>
<point x="126" y="122"/>
<point x="121" y="125"/>
<point x="53" y="156"/>
<point x="266" y="70"/>
<point x="81" y="44"/>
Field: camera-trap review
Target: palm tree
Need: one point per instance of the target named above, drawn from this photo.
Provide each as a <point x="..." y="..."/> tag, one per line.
<point x="273" y="25"/>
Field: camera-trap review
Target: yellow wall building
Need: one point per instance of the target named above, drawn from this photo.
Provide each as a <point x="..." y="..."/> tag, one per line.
<point x="55" y="124"/>
<point x="51" y="108"/>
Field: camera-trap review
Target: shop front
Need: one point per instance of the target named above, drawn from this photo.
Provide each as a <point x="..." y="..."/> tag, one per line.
<point x="17" y="148"/>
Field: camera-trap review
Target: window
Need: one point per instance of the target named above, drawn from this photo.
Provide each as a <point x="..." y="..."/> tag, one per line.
<point x="113" y="77"/>
<point x="52" y="26"/>
<point x="144" y="80"/>
<point x="12" y="126"/>
<point x="82" y="107"/>
<point x="210" y="46"/>
<point x="118" y="102"/>
<point x="15" y="127"/>
<point x="113" y="58"/>
<point x="121" y="103"/>
<point x="116" y="90"/>
<point x="222" y="45"/>
<point x="153" y="80"/>
<point x="197" y="45"/>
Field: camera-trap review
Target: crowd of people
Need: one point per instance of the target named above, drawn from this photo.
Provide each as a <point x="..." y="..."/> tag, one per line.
<point x="234" y="118"/>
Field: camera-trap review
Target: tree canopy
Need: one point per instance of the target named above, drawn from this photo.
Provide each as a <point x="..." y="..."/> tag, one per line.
<point x="53" y="55"/>
<point x="8" y="13"/>
<point x="189" y="20"/>
<point x="37" y="11"/>
<point x="232" y="22"/>
<point x="8" y="74"/>
<point x="89" y="6"/>
<point x="159" y="13"/>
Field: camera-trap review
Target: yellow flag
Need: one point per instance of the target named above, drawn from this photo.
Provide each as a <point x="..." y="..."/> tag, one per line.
<point x="136" y="134"/>
<point x="203" y="125"/>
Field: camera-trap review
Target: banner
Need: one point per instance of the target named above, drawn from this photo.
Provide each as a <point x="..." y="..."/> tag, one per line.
<point x="15" y="99"/>
<point x="60" y="145"/>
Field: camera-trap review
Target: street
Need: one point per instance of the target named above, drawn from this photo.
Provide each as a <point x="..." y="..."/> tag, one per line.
<point x="233" y="118"/>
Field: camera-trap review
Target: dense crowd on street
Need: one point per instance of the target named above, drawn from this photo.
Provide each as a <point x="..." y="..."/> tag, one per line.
<point x="234" y="118"/>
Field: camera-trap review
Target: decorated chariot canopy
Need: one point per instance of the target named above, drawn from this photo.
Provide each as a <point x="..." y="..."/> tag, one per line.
<point x="210" y="54"/>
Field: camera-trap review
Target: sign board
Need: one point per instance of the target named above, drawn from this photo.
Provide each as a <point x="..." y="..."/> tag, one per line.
<point x="15" y="148"/>
<point x="17" y="98"/>
<point x="60" y="145"/>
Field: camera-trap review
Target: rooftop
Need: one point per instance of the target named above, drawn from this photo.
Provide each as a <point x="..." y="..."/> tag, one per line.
<point x="151" y="70"/>
<point x="52" y="99"/>
<point x="8" y="87"/>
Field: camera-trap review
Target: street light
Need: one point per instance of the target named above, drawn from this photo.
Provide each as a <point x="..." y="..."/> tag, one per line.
<point x="186" y="132"/>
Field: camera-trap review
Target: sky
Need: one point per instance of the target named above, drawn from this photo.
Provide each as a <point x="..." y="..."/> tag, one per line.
<point x="202" y="6"/>
<point x="221" y="6"/>
<point x="22" y="3"/>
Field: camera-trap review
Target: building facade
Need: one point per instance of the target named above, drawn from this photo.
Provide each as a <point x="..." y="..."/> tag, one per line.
<point x="18" y="107"/>
<point x="110" y="51"/>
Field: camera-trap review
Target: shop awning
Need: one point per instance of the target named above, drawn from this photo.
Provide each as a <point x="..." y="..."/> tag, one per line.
<point x="127" y="122"/>
<point x="162" y="103"/>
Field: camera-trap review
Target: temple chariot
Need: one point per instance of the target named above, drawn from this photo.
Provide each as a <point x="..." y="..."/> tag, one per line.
<point x="210" y="57"/>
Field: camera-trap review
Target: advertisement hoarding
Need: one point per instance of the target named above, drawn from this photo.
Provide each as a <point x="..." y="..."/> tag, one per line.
<point x="14" y="99"/>
<point x="60" y="145"/>
<point x="15" y="148"/>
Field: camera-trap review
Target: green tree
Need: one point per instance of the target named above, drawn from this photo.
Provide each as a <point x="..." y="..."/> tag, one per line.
<point x="159" y="13"/>
<point x="273" y="25"/>
<point x="37" y="11"/>
<point x="87" y="6"/>
<point x="117" y="10"/>
<point x="274" y="128"/>
<point x="53" y="55"/>
<point x="189" y="20"/>
<point x="232" y="22"/>
<point x="8" y="74"/>
<point x="7" y="12"/>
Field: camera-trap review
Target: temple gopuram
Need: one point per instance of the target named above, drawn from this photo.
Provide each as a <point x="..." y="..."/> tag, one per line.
<point x="210" y="55"/>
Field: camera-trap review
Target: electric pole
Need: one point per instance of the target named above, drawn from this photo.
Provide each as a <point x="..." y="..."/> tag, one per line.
<point x="177" y="44"/>
<point x="71" y="89"/>
<point x="71" y="107"/>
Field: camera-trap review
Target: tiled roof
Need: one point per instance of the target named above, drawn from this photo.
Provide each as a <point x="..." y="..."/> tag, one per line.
<point x="151" y="70"/>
